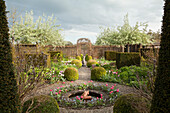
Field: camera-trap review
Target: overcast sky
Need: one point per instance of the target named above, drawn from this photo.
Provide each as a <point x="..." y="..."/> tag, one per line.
<point x="82" y="18"/>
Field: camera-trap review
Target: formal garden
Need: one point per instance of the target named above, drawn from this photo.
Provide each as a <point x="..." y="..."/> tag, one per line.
<point x="42" y="77"/>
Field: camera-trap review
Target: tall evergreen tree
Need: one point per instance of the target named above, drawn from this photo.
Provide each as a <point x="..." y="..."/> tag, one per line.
<point x="161" y="96"/>
<point x="8" y="86"/>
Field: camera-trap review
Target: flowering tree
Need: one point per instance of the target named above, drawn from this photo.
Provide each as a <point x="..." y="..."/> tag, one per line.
<point x="124" y="34"/>
<point x="43" y="31"/>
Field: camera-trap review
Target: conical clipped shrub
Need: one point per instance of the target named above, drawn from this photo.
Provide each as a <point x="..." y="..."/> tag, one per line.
<point x="77" y="63"/>
<point x="131" y="103"/>
<point x="8" y="92"/>
<point x="42" y="104"/>
<point x="161" y="96"/>
<point x="71" y="73"/>
<point x="97" y="73"/>
<point x="91" y="62"/>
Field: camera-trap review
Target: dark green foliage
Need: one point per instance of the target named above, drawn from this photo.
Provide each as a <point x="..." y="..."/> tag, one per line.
<point x="110" y="55"/>
<point x="91" y="62"/>
<point x="127" y="59"/>
<point x="56" y="56"/>
<point x="77" y="63"/>
<point x="131" y="103"/>
<point x="46" y="104"/>
<point x="8" y="92"/>
<point x="148" y="51"/>
<point x="71" y="73"/>
<point x="97" y="73"/>
<point x="161" y="96"/>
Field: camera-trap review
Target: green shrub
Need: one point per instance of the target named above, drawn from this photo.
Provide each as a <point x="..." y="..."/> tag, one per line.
<point x="127" y="59"/>
<point x="78" y="58"/>
<point x="97" y="73"/>
<point x="110" y="55"/>
<point x="56" y="56"/>
<point x="81" y="55"/>
<point x="71" y="73"/>
<point x="91" y="62"/>
<point x="46" y="104"/>
<point x="131" y="103"/>
<point x="77" y="63"/>
<point x="87" y="57"/>
<point x="107" y="67"/>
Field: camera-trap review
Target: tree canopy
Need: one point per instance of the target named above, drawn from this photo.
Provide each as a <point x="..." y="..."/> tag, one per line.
<point x="124" y="34"/>
<point x="43" y="31"/>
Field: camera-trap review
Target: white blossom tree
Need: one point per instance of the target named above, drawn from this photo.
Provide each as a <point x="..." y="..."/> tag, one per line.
<point x="125" y="34"/>
<point x="43" y="31"/>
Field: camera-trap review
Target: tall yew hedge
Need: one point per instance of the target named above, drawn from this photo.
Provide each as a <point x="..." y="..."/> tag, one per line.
<point x="161" y="96"/>
<point x="8" y="86"/>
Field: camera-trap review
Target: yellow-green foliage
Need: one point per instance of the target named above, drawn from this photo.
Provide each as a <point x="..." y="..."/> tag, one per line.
<point x="38" y="59"/>
<point x="87" y="57"/>
<point x="71" y="73"/>
<point x="78" y="58"/>
<point x="91" y="62"/>
<point x="77" y="63"/>
<point x="110" y="55"/>
<point x="81" y="57"/>
<point x="97" y="73"/>
<point x="127" y="59"/>
<point x="56" y="56"/>
<point x="131" y="103"/>
<point x="46" y="104"/>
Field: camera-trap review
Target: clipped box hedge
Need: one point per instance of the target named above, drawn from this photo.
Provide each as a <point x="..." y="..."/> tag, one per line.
<point x="110" y="55"/>
<point x="38" y="60"/>
<point x="56" y="56"/>
<point x="127" y="59"/>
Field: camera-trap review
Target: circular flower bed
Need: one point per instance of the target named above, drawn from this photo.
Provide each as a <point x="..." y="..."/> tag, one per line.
<point x="70" y="96"/>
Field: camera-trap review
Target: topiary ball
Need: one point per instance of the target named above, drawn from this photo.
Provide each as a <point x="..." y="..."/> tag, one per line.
<point x="81" y="55"/>
<point x="71" y="73"/>
<point x="87" y="58"/>
<point x="91" y="62"/>
<point x="131" y="103"/>
<point x="97" y="73"/>
<point x="44" y="103"/>
<point x="77" y="63"/>
<point x="78" y="58"/>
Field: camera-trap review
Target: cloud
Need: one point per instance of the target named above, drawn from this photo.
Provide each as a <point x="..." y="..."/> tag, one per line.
<point x="87" y="15"/>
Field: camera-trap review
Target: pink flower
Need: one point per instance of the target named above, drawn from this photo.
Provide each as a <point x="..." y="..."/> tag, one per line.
<point x="106" y="84"/>
<point x="84" y="83"/>
<point x="56" y="93"/>
<point x="59" y="92"/>
<point x="111" y="88"/>
<point x="66" y="89"/>
<point x="71" y="81"/>
<point x="78" y="98"/>
<point x="58" y="87"/>
<point x="61" y="86"/>
<point x="118" y="75"/>
<point x="51" y="90"/>
<point x="53" y="76"/>
<point x="97" y="98"/>
<point x="63" y="82"/>
<point x="91" y="80"/>
<point x="81" y="96"/>
<point x="101" y="95"/>
<point x="117" y="90"/>
<point x="111" y="92"/>
<point x="116" y="72"/>
<point x="114" y="84"/>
